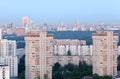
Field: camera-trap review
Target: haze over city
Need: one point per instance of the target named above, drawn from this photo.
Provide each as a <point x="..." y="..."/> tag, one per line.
<point x="60" y="39"/>
<point x="56" y="11"/>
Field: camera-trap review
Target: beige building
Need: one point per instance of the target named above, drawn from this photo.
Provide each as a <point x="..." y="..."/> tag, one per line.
<point x="25" y="20"/>
<point x="68" y="44"/>
<point x="26" y="23"/>
<point x="64" y="60"/>
<point x="105" y="53"/>
<point x="38" y="61"/>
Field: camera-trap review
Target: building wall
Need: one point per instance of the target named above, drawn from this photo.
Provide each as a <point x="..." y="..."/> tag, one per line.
<point x="64" y="60"/>
<point x="7" y="47"/>
<point x="12" y="62"/>
<point x="9" y="29"/>
<point x="8" y="56"/>
<point x="4" y="72"/>
<point x="76" y="47"/>
<point x="38" y="51"/>
<point x="105" y="53"/>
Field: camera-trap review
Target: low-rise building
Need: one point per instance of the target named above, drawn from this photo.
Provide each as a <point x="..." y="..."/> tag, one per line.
<point x="63" y="60"/>
<point x="62" y="46"/>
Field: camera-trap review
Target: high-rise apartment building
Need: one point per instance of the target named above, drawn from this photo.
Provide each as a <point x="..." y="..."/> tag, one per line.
<point x="105" y="53"/>
<point x="7" y="48"/>
<point x="8" y="55"/>
<point x="12" y="62"/>
<point x="4" y="72"/>
<point x="38" y="50"/>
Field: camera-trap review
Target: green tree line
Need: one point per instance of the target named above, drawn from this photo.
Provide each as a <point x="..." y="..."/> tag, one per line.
<point x="71" y="71"/>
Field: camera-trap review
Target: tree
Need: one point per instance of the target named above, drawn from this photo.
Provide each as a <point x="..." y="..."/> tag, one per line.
<point x="96" y="76"/>
<point x="71" y="71"/>
<point x="45" y="76"/>
<point x="69" y="53"/>
<point x="107" y="77"/>
<point x="56" y="67"/>
<point x="118" y="58"/>
<point x="22" y="75"/>
<point x="21" y="68"/>
<point x="69" y="67"/>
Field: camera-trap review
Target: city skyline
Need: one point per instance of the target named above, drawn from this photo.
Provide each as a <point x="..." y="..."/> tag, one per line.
<point x="55" y="12"/>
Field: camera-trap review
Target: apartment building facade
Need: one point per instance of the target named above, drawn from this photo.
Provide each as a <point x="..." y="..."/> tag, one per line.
<point x="105" y="53"/>
<point x="38" y="51"/>
<point x="76" y="47"/>
<point x="64" y="60"/>
<point x="8" y="56"/>
<point x="4" y="72"/>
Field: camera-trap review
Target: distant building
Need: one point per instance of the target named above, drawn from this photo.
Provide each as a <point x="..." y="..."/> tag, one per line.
<point x="0" y="33"/>
<point x="76" y="27"/>
<point x="112" y="28"/>
<point x="25" y="20"/>
<point x="83" y="28"/>
<point x="105" y="53"/>
<point x="26" y="23"/>
<point x="9" y="29"/>
<point x="4" y="72"/>
<point x="61" y="27"/>
<point x="20" y="31"/>
<point x="92" y="28"/>
<point x="38" y="61"/>
<point x="45" y="27"/>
